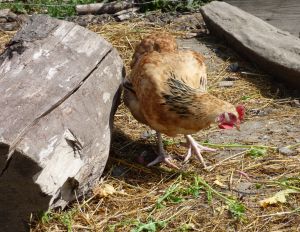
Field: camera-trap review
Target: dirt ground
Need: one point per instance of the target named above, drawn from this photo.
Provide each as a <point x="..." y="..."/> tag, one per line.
<point x="272" y="123"/>
<point x="272" y="120"/>
<point x="246" y="169"/>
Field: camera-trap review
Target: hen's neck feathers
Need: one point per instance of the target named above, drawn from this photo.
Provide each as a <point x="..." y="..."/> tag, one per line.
<point x="192" y="103"/>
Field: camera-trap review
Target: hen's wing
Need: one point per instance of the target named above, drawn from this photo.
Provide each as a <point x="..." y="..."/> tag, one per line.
<point x="131" y="101"/>
<point x="202" y="70"/>
<point x="160" y="42"/>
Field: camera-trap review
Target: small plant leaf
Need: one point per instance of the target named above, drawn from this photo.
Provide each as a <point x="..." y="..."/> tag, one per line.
<point x="169" y="196"/>
<point x="236" y="209"/>
<point x="151" y="226"/>
<point x="168" y="142"/>
<point x="46" y="217"/>
<point x="209" y="195"/>
<point x="245" y="98"/>
<point x="257" y="152"/>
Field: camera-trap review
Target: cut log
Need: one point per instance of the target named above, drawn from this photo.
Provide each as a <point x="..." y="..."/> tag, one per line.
<point x="103" y="8"/>
<point x="59" y="86"/>
<point x="275" y="51"/>
<point x="126" y="14"/>
<point x="9" y="21"/>
<point x="93" y="8"/>
<point x="282" y="14"/>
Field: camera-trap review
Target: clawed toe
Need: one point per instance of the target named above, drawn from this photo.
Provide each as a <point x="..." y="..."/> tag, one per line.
<point x="197" y="149"/>
<point x="208" y="149"/>
<point x="163" y="159"/>
<point x="188" y="155"/>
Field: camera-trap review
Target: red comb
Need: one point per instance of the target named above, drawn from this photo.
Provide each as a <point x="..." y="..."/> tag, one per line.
<point x="241" y="111"/>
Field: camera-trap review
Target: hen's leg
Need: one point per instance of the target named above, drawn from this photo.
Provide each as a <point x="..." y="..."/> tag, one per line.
<point x="162" y="154"/>
<point x="197" y="148"/>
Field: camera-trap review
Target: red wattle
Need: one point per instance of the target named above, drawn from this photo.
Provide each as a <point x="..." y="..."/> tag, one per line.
<point x="225" y="126"/>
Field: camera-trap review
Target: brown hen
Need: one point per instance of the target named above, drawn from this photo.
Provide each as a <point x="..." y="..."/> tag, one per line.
<point x="162" y="42"/>
<point x="166" y="90"/>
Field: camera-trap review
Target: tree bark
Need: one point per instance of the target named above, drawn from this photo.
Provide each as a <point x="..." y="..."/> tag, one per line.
<point x="275" y="51"/>
<point x="60" y="87"/>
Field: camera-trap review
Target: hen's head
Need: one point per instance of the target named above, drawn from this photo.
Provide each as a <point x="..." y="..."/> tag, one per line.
<point x="229" y="120"/>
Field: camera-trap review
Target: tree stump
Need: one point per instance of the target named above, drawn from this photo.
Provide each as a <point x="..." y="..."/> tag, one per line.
<point x="60" y="87"/>
<point x="275" y="51"/>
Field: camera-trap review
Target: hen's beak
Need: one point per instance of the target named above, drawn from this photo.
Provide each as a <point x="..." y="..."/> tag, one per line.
<point x="237" y="126"/>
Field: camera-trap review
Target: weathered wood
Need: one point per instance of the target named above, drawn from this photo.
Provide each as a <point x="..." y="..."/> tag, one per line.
<point x="59" y="86"/>
<point x="126" y="14"/>
<point x="282" y="14"/>
<point x="9" y="21"/>
<point x="101" y="8"/>
<point x="275" y="51"/>
<point x="93" y="8"/>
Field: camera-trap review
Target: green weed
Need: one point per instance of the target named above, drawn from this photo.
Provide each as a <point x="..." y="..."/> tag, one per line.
<point x="46" y="217"/>
<point x="149" y="226"/>
<point x="168" y="142"/>
<point x="236" y="208"/>
<point x="257" y="152"/>
<point x="169" y="196"/>
<point x="55" y="8"/>
<point x="245" y="98"/>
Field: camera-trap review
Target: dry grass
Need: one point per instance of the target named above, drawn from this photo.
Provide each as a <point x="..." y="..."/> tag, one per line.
<point x="192" y="199"/>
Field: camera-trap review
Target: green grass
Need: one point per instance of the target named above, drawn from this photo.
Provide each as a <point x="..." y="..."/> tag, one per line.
<point x="178" y="193"/>
<point x="62" y="9"/>
<point x="65" y="218"/>
<point x="55" y="8"/>
<point x="236" y="208"/>
<point x="150" y="226"/>
<point x="183" y="189"/>
<point x="172" y="5"/>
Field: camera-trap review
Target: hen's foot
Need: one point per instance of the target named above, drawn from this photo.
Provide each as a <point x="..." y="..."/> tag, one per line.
<point x="163" y="158"/>
<point x="162" y="155"/>
<point x="197" y="148"/>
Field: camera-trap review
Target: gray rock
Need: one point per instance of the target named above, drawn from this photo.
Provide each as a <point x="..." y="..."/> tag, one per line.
<point x="124" y="17"/>
<point x="8" y="15"/>
<point x="9" y="26"/>
<point x="9" y="21"/>
<point x="234" y="67"/>
<point x="59" y="87"/>
<point x="147" y="134"/>
<point x="118" y="171"/>
<point x="275" y="51"/>
<point x="226" y="83"/>
<point x="286" y="151"/>
<point x="245" y="188"/>
<point x="230" y="78"/>
<point x="261" y="112"/>
<point x="295" y="103"/>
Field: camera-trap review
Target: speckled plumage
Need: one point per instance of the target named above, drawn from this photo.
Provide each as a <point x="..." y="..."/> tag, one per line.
<point x="160" y="42"/>
<point x="166" y="90"/>
<point x="169" y="93"/>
